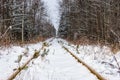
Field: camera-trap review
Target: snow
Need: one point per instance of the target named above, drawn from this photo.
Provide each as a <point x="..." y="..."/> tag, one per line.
<point x="99" y="58"/>
<point x="57" y="64"/>
<point x="9" y="57"/>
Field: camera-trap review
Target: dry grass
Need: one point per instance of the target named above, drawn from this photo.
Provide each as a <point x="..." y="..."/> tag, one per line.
<point x="7" y="42"/>
<point x="115" y="47"/>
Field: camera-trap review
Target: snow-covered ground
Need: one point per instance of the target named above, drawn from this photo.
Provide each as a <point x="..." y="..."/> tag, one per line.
<point x="9" y="58"/>
<point x="54" y="63"/>
<point x="99" y="58"/>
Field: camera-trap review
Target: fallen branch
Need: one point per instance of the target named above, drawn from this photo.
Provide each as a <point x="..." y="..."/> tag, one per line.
<point x="116" y="62"/>
<point x="5" y="32"/>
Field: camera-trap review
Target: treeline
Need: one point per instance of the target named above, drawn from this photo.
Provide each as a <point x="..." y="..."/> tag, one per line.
<point x="95" y="21"/>
<point x="23" y="20"/>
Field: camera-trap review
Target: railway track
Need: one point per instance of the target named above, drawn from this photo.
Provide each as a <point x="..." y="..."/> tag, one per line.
<point x="87" y="66"/>
<point x="35" y="56"/>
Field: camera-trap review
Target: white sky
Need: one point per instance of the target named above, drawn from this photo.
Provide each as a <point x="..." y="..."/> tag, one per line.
<point x="53" y="11"/>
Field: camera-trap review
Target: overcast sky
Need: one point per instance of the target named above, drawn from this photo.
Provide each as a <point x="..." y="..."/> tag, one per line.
<point x="53" y="11"/>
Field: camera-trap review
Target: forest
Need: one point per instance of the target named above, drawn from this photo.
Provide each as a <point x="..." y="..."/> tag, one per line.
<point x="91" y="21"/>
<point x="95" y="20"/>
<point x="59" y="39"/>
<point x="23" y="20"/>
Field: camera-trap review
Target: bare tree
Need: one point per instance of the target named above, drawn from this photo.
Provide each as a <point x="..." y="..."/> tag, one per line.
<point x="96" y="20"/>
